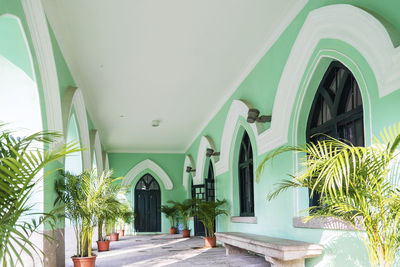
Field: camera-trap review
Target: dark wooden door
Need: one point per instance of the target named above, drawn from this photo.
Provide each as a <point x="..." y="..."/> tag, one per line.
<point x="147" y="205"/>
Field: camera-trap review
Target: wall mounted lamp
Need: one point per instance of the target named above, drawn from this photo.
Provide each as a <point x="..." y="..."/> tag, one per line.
<point x="190" y="169"/>
<point x="253" y="116"/>
<point x="210" y="152"/>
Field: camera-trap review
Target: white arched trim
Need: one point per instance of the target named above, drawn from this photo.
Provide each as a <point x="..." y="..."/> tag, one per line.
<point x="95" y="149"/>
<point x="341" y="22"/>
<point x="73" y="97"/>
<point x="148" y="164"/>
<point x="205" y="142"/>
<point x="39" y="32"/>
<point x="106" y="163"/>
<point x="188" y="163"/>
<point x="238" y="109"/>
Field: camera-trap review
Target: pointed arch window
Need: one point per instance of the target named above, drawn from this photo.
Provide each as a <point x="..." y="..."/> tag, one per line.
<point x="246" y="181"/>
<point x="337" y="110"/>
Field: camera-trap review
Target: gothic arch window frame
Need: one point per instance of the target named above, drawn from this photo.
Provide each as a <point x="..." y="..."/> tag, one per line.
<point x="246" y="177"/>
<point x="336" y="110"/>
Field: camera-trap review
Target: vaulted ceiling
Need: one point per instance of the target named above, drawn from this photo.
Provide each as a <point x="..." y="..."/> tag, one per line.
<point x="176" y="61"/>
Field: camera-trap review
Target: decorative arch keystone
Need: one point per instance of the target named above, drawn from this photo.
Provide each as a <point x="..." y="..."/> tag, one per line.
<point x="148" y="164"/>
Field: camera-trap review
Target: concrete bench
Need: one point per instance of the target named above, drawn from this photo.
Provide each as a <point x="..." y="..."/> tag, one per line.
<point x="277" y="251"/>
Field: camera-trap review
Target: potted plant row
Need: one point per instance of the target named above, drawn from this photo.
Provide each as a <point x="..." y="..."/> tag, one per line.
<point x="205" y="211"/>
<point x="89" y="200"/>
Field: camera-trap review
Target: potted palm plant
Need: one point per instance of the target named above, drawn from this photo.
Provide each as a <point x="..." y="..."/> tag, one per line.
<point x="126" y="216"/>
<point x="82" y="196"/>
<point x="111" y="204"/>
<point x="21" y="163"/>
<point x="185" y="210"/>
<point x="110" y="225"/>
<point x="358" y="185"/>
<point x="207" y="212"/>
<point x="172" y="213"/>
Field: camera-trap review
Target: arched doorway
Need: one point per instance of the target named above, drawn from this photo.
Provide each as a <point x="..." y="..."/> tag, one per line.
<point x="147" y="205"/>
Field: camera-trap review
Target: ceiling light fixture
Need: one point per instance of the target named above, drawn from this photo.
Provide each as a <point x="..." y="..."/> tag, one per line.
<point x="253" y="116"/>
<point x="189" y="169"/>
<point x="210" y="152"/>
<point x="155" y="123"/>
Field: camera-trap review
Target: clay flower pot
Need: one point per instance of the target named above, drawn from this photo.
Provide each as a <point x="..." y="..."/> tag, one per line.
<point x="185" y="233"/>
<point x="173" y="230"/>
<point x="114" y="237"/>
<point x="103" y="245"/>
<point x="210" y="242"/>
<point x="121" y="233"/>
<point x="84" y="261"/>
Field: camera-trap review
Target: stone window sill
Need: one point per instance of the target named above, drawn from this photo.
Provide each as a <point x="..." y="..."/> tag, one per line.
<point x="324" y="223"/>
<point x="239" y="219"/>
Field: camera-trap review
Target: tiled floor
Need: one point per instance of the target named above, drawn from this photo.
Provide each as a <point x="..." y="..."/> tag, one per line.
<point x="169" y="250"/>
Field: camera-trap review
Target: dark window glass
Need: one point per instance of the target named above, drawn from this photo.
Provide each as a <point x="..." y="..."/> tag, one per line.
<point x="337" y="110"/>
<point x="147" y="182"/>
<point x="246" y="188"/>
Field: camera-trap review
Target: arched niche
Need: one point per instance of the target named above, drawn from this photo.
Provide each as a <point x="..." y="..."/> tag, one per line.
<point x="148" y="164"/>
<point x="235" y="118"/>
<point x="73" y="101"/>
<point x="95" y="150"/>
<point x="205" y="142"/>
<point x="346" y="23"/>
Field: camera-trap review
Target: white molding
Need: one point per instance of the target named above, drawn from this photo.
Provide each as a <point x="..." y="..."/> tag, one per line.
<point x="106" y="163"/>
<point x="185" y="177"/>
<point x="268" y="43"/>
<point x="37" y="24"/>
<point x="73" y="97"/>
<point x="238" y="109"/>
<point x="148" y="164"/>
<point x="139" y="151"/>
<point x="341" y="22"/>
<point x="95" y="149"/>
<point x="205" y="142"/>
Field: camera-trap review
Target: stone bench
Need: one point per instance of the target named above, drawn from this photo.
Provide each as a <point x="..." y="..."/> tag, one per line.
<point x="277" y="251"/>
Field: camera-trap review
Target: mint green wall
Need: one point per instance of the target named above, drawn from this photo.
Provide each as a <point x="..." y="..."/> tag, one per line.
<point x="342" y="248"/>
<point x="12" y="46"/>
<point x="172" y="164"/>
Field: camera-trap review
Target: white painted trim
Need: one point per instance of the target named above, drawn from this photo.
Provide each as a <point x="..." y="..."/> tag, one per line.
<point x="148" y="164"/>
<point x="95" y="149"/>
<point x="73" y="97"/>
<point x="37" y="24"/>
<point x="205" y="142"/>
<point x="139" y="151"/>
<point x="239" y="108"/>
<point x="188" y="163"/>
<point x="269" y="42"/>
<point x="106" y="163"/>
<point x="342" y="22"/>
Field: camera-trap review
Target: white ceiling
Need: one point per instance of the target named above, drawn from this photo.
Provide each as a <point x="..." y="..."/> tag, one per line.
<point x="177" y="61"/>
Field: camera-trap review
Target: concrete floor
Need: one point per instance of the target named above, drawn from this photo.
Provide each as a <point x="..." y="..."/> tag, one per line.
<point x="169" y="250"/>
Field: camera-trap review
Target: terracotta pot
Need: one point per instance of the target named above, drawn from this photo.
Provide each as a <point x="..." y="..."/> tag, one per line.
<point x="84" y="261"/>
<point x="121" y="233"/>
<point x="103" y="245"/>
<point x="114" y="237"/>
<point x="185" y="233"/>
<point x="210" y="242"/>
<point x="173" y="230"/>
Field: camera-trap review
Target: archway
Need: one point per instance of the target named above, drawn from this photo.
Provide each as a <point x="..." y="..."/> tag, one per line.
<point x="147" y="205"/>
